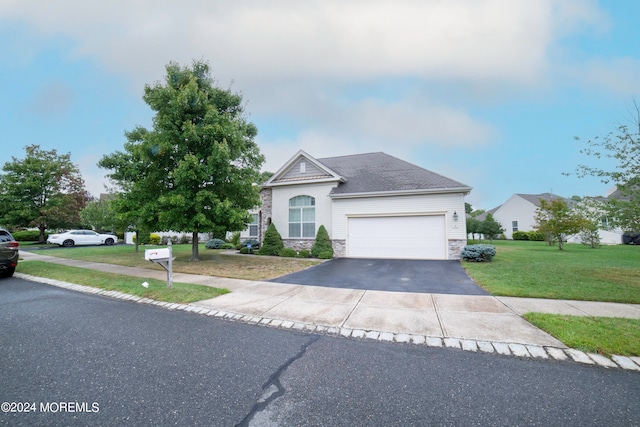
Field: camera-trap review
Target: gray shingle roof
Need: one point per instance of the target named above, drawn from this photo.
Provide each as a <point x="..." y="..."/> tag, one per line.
<point x="535" y="198"/>
<point x="380" y="172"/>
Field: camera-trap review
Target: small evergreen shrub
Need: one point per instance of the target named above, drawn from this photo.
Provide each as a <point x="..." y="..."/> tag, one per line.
<point x="246" y="250"/>
<point x="478" y="253"/>
<point x="322" y="244"/>
<point x="288" y="253"/>
<point x="272" y="243"/>
<point x="520" y="235"/>
<point x="215" y="244"/>
<point x="228" y="246"/>
<point x="235" y="239"/>
<point x="325" y="254"/>
<point x="304" y="253"/>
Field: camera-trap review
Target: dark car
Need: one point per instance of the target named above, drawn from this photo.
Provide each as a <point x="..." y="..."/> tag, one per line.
<point x="8" y="253"/>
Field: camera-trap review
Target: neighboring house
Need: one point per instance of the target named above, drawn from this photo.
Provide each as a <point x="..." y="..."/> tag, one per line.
<point x="373" y="206"/>
<point x="518" y="212"/>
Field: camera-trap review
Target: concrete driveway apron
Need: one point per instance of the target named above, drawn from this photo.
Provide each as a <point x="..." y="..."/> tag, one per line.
<point x="421" y="276"/>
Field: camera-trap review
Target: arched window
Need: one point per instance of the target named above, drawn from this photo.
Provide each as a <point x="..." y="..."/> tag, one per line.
<point x="302" y="216"/>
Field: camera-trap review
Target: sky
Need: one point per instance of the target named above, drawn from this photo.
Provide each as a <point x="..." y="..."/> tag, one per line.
<point x="490" y="93"/>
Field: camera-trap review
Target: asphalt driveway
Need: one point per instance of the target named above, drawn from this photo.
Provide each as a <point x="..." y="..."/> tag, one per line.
<point x="423" y="276"/>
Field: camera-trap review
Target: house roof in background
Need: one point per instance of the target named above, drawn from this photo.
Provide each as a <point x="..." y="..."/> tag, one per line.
<point x="535" y="198"/>
<point x="381" y="173"/>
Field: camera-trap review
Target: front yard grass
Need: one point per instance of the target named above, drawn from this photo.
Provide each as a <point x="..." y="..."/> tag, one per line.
<point x="603" y="335"/>
<point x="180" y="292"/>
<point x="213" y="262"/>
<point x="537" y="270"/>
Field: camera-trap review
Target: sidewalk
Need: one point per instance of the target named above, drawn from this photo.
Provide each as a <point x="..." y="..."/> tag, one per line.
<point x="452" y="320"/>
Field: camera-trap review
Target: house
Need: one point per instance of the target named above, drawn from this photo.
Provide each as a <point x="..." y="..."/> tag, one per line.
<point x="519" y="211"/>
<point x="373" y="205"/>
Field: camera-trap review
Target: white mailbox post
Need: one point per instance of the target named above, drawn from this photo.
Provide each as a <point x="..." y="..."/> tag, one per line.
<point x="164" y="257"/>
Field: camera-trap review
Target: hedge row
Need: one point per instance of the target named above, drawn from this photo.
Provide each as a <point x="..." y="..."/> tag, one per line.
<point x="528" y="235"/>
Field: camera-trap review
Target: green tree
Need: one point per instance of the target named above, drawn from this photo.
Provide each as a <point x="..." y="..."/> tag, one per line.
<point x="322" y="243"/>
<point x="100" y="216"/>
<point x="491" y="228"/>
<point x="557" y="220"/>
<point x="193" y="172"/>
<point x="43" y="190"/>
<point x="474" y="226"/>
<point x="272" y="242"/>
<point x="623" y="148"/>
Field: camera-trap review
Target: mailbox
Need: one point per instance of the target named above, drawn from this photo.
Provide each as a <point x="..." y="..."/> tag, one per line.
<point x="157" y="254"/>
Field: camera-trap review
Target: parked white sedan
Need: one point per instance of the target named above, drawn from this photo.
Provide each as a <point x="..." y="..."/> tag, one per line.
<point x="81" y="237"/>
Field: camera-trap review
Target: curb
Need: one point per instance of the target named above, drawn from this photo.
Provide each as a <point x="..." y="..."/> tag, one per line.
<point x="489" y="347"/>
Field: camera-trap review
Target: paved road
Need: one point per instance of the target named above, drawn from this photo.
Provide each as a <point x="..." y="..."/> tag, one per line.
<point x="144" y="365"/>
<point x="399" y="275"/>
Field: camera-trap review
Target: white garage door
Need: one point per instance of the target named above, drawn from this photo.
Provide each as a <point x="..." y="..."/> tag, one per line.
<point x="409" y="237"/>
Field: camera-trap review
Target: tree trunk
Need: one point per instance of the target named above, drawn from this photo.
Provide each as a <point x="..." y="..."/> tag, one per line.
<point x="194" y="247"/>
<point x="137" y="240"/>
<point x="42" y="229"/>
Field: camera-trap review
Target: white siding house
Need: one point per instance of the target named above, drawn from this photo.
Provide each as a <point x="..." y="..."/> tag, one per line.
<point x="373" y="205"/>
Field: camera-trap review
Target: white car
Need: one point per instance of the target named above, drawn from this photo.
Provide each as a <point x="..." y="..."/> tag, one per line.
<point x="81" y="237"/>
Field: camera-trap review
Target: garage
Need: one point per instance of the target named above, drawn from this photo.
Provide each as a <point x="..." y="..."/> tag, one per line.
<point x="407" y="237"/>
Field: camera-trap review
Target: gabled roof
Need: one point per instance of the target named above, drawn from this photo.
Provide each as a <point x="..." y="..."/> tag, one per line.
<point x="319" y="173"/>
<point x="368" y="174"/>
<point x="380" y="173"/>
<point x="534" y="199"/>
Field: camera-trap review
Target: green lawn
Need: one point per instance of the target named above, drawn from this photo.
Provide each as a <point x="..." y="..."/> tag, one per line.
<point x="213" y="262"/>
<point x="157" y="290"/>
<point x="537" y="270"/>
<point x="601" y="335"/>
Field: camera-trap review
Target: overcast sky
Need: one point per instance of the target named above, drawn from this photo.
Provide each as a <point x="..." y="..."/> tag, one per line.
<point x="487" y="92"/>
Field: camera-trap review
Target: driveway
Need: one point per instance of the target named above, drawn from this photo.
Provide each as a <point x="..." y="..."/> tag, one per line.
<point x="423" y="276"/>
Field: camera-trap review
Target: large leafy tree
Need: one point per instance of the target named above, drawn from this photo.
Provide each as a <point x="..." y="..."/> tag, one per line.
<point x="623" y="148"/>
<point x="43" y="190"/>
<point x="557" y="220"/>
<point x="193" y="172"/>
<point x="490" y="227"/>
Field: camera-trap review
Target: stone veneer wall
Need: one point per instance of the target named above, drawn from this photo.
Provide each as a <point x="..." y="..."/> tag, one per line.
<point x="455" y="248"/>
<point x="339" y="248"/>
<point x="266" y="201"/>
<point x="298" y="244"/>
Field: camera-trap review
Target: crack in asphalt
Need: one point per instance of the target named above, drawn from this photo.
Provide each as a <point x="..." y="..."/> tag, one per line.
<point x="273" y="389"/>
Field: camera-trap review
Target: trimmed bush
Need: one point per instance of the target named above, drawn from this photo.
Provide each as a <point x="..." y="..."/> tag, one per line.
<point x="254" y="244"/>
<point x="322" y="244"/>
<point x="29" y="235"/>
<point x="154" y="239"/>
<point x="304" y="253"/>
<point x="228" y="246"/>
<point x="272" y="243"/>
<point x="215" y="244"/>
<point x="535" y="236"/>
<point x="325" y="255"/>
<point x="520" y="235"/>
<point x="478" y="253"/>
<point x="246" y="250"/>
<point x="288" y="253"/>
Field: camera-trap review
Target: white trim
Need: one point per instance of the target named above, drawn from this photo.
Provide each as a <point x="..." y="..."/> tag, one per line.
<point x="462" y="190"/>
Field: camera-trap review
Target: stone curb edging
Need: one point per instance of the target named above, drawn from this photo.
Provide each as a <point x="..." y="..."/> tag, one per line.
<point x="505" y="349"/>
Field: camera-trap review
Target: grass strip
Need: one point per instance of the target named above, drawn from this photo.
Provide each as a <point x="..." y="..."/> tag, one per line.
<point x="180" y="292"/>
<point x="602" y="335"/>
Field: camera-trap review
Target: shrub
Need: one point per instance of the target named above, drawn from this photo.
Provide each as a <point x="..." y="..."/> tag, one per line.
<point x="322" y="244"/>
<point x="228" y="246"/>
<point x="185" y="238"/>
<point x="325" y="254"/>
<point x="215" y="244"/>
<point x="535" y="236"/>
<point x="520" y="235"/>
<point x="165" y="239"/>
<point x="304" y="253"/>
<point x="252" y="242"/>
<point x="288" y="252"/>
<point x="235" y="239"/>
<point x="478" y="253"/>
<point x="272" y="243"/>
<point x="246" y="250"/>
<point x="28" y="235"/>
<point x="154" y="239"/>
